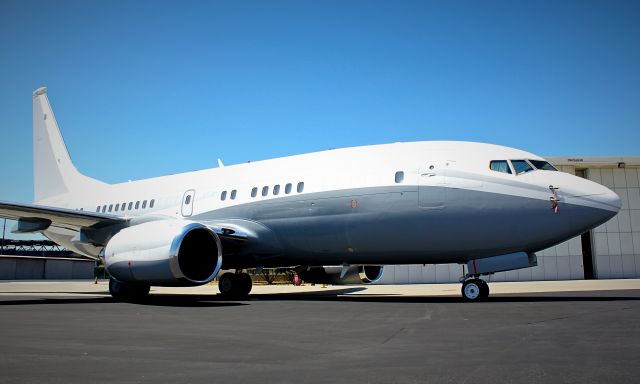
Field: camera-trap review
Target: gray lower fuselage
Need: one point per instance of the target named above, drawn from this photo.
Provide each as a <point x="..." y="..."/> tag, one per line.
<point x="399" y="225"/>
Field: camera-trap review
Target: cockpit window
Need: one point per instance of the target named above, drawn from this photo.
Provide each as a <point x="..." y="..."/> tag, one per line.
<point x="521" y="166"/>
<point x="500" y="166"/>
<point x="541" y="164"/>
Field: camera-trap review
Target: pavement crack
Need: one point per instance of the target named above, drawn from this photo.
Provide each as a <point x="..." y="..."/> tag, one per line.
<point x="577" y="315"/>
<point x="396" y="333"/>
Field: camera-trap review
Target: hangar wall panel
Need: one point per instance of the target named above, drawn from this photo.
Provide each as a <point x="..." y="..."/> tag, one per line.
<point x="7" y="269"/>
<point x="82" y="270"/>
<point x="37" y="268"/>
<point x="29" y="269"/>
<point x="58" y="269"/>
<point x="617" y="242"/>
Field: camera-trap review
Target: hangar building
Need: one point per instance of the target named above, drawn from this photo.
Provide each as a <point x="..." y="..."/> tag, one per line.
<point x="610" y="251"/>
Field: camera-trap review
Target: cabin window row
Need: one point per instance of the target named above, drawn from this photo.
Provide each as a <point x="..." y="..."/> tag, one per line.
<point x="125" y="207"/>
<point x="232" y="195"/>
<point x="276" y="190"/>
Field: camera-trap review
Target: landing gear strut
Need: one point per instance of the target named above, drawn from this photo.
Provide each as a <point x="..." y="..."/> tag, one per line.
<point x="475" y="289"/>
<point x="128" y="291"/>
<point x="235" y="285"/>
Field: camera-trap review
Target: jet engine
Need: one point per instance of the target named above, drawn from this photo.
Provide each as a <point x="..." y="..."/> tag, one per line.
<point x="167" y="252"/>
<point x="354" y="274"/>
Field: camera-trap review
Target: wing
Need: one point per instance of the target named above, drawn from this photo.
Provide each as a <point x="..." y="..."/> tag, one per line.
<point x="93" y="227"/>
<point x="36" y="218"/>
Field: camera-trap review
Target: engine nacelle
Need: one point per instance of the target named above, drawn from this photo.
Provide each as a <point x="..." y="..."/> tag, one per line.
<point x="166" y="252"/>
<point x="356" y="274"/>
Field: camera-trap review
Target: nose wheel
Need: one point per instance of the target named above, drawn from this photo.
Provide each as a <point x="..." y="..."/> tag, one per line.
<point x="475" y="289"/>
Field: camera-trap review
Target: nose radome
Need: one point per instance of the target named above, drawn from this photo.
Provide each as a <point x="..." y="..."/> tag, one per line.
<point x="586" y="190"/>
<point x="610" y="198"/>
<point x="606" y="199"/>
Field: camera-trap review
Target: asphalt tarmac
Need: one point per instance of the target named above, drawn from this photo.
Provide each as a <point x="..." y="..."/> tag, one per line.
<point x="340" y="335"/>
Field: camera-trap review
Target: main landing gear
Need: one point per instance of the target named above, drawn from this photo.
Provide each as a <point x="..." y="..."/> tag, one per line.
<point x="475" y="289"/>
<point x="128" y="291"/>
<point x="235" y="285"/>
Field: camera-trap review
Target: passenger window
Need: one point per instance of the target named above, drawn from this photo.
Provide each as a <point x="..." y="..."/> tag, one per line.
<point x="254" y="192"/>
<point x="137" y="204"/>
<point x="300" y="187"/>
<point x="543" y="165"/>
<point x="223" y="196"/>
<point x="110" y="207"/>
<point x="151" y="203"/>
<point x="265" y="191"/>
<point x="122" y="207"/>
<point x="287" y="188"/>
<point x="98" y="209"/>
<point x="399" y="177"/>
<point x="144" y="204"/>
<point x="500" y="166"/>
<point x="104" y="208"/>
<point x="117" y="207"/>
<point x="233" y="194"/>
<point x="521" y="166"/>
<point x="130" y="205"/>
<point x="276" y="189"/>
<point x="187" y="200"/>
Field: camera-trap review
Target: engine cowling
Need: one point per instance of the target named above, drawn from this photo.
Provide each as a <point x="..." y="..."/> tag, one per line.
<point x="167" y="252"/>
<point x="356" y="274"/>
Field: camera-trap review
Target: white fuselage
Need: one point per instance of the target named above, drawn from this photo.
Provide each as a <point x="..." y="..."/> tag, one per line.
<point x="329" y="175"/>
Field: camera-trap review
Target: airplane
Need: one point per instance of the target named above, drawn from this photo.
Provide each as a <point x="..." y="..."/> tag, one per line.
<point x="335" y="217"/>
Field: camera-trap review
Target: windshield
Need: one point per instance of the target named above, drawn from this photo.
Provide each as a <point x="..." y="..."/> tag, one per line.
<point x="521" y="166"/>
<point x="541" y="164"/>
<point x="500" y="166"/>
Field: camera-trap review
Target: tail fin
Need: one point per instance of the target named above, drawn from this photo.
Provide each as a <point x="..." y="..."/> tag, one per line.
<point x="54" y="173"/>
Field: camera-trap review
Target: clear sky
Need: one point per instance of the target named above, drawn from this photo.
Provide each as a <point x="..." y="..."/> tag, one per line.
<point x="146" y="88"/>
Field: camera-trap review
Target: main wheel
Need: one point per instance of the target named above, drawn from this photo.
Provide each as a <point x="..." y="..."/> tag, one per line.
<point x="484" y="289"/>
<point x="235" y="285"/>
<point x="244" y="284"/>
<point x="128" y="291"/>
<point x="227" y="283"/>
<point x="472" y="290"/>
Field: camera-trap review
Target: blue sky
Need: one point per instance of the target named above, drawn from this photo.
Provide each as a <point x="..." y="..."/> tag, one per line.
<point x="146" y="88"/>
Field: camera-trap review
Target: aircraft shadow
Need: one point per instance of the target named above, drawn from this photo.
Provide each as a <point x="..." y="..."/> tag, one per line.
<point x="153" y="300"/>
<point x="341" y="295"/>
<point x="504" y="298"/>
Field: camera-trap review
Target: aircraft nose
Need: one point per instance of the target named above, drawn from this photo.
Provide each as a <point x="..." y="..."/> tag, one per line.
<point x="609" y="198"/>
<point x="602" y="201"/>
<point x="607" y="201"/>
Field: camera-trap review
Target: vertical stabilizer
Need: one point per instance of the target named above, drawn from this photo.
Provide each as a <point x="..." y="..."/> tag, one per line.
<point x="54" y="173"/>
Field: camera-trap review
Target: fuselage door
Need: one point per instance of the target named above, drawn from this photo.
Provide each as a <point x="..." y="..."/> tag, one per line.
<point x="187" y="203"/>
<point x="432" y="185"/>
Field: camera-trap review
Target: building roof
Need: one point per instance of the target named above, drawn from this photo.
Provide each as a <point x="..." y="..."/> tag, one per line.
<point x="596" y="161"/>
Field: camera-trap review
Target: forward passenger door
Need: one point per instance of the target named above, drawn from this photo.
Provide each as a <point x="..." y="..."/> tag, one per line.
<point x="187" y="202"/>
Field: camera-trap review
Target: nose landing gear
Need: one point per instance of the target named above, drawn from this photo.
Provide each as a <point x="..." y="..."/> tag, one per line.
<point x="475" y="289"/>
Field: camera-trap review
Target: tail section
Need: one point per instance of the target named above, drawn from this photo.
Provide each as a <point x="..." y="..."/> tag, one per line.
<point x="54" y="173"/>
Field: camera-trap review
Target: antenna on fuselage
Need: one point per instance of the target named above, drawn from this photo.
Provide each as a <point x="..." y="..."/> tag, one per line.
<point x="220" y="165"/>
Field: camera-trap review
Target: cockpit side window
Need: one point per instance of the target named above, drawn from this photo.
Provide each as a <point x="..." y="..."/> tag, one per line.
<point x="500" y="166"/>
<point x="541" y="164"/>
<point x="521" y="166"/>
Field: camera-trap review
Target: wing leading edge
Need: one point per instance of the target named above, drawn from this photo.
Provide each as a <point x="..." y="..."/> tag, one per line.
<point x="36" y="218"/>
